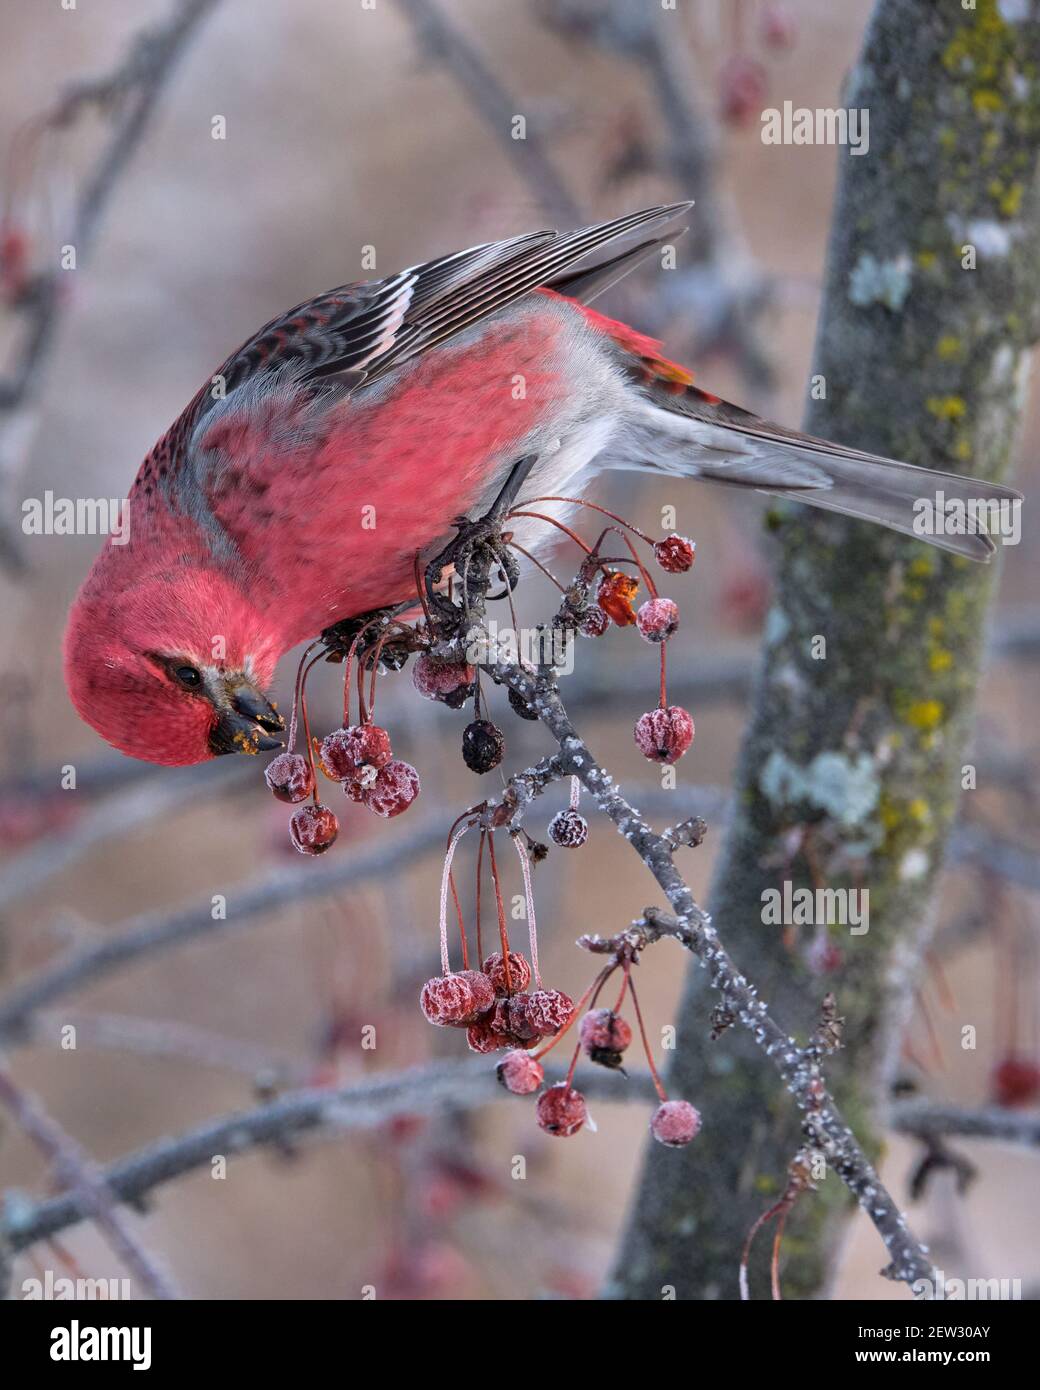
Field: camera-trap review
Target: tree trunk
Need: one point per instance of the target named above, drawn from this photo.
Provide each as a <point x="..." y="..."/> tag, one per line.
<point x="853" y="760"/>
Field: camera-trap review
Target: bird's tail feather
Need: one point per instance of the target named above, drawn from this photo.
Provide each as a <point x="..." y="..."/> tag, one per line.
<point x="688" y="431"/>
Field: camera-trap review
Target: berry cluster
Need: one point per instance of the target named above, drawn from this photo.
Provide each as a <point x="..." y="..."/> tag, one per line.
<point x="603" y="1036"/>
<point x="494" y="1004"/>
<point x="357" y="756"/>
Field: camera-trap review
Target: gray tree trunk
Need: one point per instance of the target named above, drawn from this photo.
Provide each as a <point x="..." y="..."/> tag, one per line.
<point x="863" y="750"/>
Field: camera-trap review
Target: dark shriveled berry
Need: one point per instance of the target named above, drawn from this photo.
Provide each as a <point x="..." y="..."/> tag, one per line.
<point x="569" y="829"/>
<point x="482" y="745"/>
<point x="312" y="829"/>
<point x="289" y="776"/>
<point x="561" y="1110"/>
<point x="522" y="707"/>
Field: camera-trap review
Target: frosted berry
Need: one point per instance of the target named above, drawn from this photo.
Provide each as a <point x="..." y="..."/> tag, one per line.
<point x="456" y="999"/>
<point x="313" y="829"/>
<point x="395" y="788"/>
<point x="674" y="553"/>
<point x="346" y="752"/>
<point x="520" y="1073"/>
<point x="482" y="745"/>
<point x="561" y="1110"/>
<point x="675" y="1123"/>
<point x="548" y="1010"/>
<point x="568" y="828"/>
<point x="289" y="776"/>
<point x="664" y="735"/>
<point x="451" y="682"/>
<point x="657" y="619"/>
<point x="594" y="622"/>
<point x="519" y="972"/>
<point x="604" y="1036"/>
<point x="615" y="594"/>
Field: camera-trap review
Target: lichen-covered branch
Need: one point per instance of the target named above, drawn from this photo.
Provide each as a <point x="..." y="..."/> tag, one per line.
<point x="855" y="749"/>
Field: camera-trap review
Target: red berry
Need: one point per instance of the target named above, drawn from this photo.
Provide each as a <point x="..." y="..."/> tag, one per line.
<point x="456" y="999"/>
<point x="569" y="828"/>
<point x="561" y="1110"/>
<point x="520" y="1073"/>
<point x="675" y="1123"/>
<point x="664" y="735"/>
<point x="674" y="553"/>
<point x="395" y="788"/>
<point x="603" y="1031"/>
<point x="347" y="752"/>
<point x="289" y="776"/>
<point x="451" y="682"/>
<point x="594" y="622"/>
<point x="548" y="1010"/>
<point x="519" y="972"/>
<point x="615" y="594"/>
<point x="313" y="829"/>
<point x="1016" y="1081"/>
<point x="742" y="89"/>
<point x="658" y="619"/>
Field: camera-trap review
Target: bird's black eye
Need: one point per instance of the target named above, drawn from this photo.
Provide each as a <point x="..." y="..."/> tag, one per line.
<point x="190" y="676"/>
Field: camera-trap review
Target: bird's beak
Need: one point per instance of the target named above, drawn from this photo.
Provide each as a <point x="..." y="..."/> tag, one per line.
<point x="245" y="717"/>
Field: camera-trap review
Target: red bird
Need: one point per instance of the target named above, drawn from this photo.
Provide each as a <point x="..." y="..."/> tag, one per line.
<point x="296" y="488"/>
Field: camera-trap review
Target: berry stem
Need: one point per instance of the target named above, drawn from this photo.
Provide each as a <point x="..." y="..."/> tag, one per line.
<point x="297" y="692"/>
<point x="480" y="863"/>
<point x="663" y="697"/>
<point x="658" y="1087"/>
<point x="581" y="502"/>
<point x="503" y="934"/>
<point x="307" y="726"/>
<point x="532" y="928"/>
<point x="560" y="526"/>
<point x="575" y="793"/>
<point x="515" y="545"/>
<point x="445" y="880"/>
<point x="592" y="991"/>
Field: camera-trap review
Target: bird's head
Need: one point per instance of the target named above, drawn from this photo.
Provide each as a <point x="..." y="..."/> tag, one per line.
<point x="173" y="670"/>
